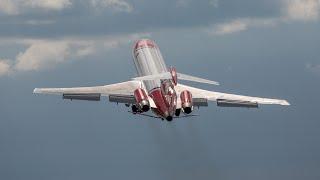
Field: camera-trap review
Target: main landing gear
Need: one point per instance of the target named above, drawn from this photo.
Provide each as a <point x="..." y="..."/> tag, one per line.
<point x="177" y="113"/>
<point x="134" y="109"/>
<point x="169" y="118"/>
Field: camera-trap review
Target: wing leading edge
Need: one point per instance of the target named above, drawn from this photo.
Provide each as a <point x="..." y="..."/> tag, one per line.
<point x="231" y="100"/>
<point x="124" y="88"/>
<point x="118" y="93"/>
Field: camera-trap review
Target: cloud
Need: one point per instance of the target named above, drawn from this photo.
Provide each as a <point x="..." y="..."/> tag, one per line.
<point x="214" y="3"/>
<point x="188" y="3"/>
<point x="85" y="50"/>
<point x="117" y="5"/>
<point x="15" y="7"/>
<point x="4" y="67"/>
<point x="117" y="41"/>
<point x="240" y="25"/>
<point x="41" y="54"/>
<point x="8" y="7"/>
<point x="39" y="22"/>
<point x="47" y="4"/>
<point x="314" y="68"/>
<point x="230" y="27"/>
<point x="182" y="3"/>
<point x="303" y="10"/>
<point x="294" y="10"/>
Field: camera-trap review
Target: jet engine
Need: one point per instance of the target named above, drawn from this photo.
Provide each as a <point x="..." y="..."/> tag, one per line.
<point x="142" y="100"/>
<point x="186" y="101"/>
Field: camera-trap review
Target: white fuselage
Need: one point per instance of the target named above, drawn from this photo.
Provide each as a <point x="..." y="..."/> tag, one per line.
<point x="149" y="61"/>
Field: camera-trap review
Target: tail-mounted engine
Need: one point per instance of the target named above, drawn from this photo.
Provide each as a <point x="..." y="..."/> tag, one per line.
<point x="142" y="101"/>
<point x="186" y="101"/>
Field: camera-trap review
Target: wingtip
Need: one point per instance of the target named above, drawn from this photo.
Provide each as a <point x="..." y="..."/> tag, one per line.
<point x="36" y="90"/>
<point x="285" y="103"/>
<point x="213" y="83"/>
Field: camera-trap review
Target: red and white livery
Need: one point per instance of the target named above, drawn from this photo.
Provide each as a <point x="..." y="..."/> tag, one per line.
<point x="158" y="88"/>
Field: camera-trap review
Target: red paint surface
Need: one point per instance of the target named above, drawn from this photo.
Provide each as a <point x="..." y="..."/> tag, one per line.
<point x="186" y="97"/>
<point x="140" y="95"/>
<point x="159" y="101"/>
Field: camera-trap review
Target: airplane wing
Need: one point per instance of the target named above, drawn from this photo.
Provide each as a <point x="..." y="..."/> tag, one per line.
<point x="119" y="93"/>
<point x="229" y="100"/>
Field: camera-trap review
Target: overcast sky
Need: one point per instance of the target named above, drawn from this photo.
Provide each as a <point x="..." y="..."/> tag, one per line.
<point x="267" y="48"/>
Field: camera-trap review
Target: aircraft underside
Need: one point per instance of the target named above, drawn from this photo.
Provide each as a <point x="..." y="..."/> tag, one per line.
<point x="157" y="91"/>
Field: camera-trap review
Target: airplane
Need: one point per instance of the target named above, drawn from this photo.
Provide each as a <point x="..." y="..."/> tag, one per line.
<point x="157" y="89"/>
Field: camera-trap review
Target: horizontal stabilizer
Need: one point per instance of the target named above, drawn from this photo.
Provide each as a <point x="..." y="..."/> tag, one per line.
<point x="167" y="75"/>
<point x="195" y="79"/>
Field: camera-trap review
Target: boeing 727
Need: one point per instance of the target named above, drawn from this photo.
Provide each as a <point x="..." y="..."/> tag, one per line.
<point x="158" y="89"/>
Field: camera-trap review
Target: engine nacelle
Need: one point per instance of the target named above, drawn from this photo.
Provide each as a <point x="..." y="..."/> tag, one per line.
<point x="186" y="101"/>
<point x="142" y="100"/>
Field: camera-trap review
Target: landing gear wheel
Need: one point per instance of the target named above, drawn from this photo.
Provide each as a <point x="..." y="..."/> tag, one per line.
<point x="177" y="113"/>
<point x="169" y="118"/>
<point x="134" y="109"/>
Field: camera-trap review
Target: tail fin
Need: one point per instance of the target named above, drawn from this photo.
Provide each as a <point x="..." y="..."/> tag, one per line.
<point x="167" y="75"/>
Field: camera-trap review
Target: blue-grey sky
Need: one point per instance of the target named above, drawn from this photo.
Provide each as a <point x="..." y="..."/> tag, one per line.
<point x="266" y="48"/>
